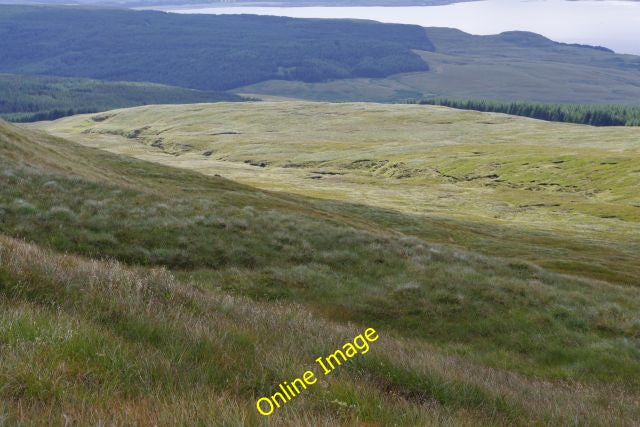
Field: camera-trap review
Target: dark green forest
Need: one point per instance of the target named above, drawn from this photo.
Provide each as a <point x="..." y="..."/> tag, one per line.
<point x="206" y="52"/>
<point x="594" y="115"/>
<point x="32" y="98"/>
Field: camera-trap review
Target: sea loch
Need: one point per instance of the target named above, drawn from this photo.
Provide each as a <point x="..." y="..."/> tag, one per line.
<point x="613" y="24"/>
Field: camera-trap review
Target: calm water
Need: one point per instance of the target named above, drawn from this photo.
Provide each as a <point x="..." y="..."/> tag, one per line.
<point x="614" y="24"/>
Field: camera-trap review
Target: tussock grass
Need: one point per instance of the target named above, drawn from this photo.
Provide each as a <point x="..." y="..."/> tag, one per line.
<point x="94" y="341"/>
<point x="451" y="297"/>
<point x="562" y="196"/>
<point x="204" y="294"/>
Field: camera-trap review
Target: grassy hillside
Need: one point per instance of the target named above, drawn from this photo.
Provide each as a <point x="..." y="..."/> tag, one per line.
<point x="206" y="52"/>
<point x="560" y="195"/>
<point x="465" y="338"/>
<point x="32" y="98"/>
<point x="510" y="67"/>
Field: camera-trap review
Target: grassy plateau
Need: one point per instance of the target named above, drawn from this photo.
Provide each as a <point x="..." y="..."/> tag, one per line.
<point x="560" y="195"/>
<point x="137" y="287"/>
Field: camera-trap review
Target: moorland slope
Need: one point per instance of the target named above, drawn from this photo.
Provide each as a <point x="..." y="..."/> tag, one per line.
<point x="465" y="338"/>
<point x="561" y="195"/>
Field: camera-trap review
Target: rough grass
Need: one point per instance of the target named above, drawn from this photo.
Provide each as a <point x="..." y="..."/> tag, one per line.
<point x="469" y="338"/>
<point x="94" y="342"/>
<point x="562" y="196"/>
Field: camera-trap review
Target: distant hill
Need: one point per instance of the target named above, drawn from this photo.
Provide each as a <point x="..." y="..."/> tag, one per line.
<point x="512" y="66"/>
<point x="31" y="98"/>
<point x="204" y="52"/>
<point x="317" y="59"/>
<point x="529" y="39"/>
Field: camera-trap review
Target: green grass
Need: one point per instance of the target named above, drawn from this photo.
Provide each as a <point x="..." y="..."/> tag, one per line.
<point x="98" y="342"/>
<point x="561" y="196"/>
<point x="467" y="338"/>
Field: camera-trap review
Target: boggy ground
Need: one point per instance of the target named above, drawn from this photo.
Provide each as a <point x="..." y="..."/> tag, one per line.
<point x="183" y="298"/>
<point x="560" y="195"/>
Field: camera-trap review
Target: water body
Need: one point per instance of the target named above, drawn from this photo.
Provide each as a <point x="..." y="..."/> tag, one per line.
<point x="613" y="24"/>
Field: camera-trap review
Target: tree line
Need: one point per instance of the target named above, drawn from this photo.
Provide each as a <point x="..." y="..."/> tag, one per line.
<point x="594" y="115"/>
<point x="25" y="98"/>
<point x="48" y="115"/>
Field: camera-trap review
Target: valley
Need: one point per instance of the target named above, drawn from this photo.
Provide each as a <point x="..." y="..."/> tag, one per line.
<point x="186" y="270"/>
<point x="552" y="193"/>
<point x="242" y="220"/>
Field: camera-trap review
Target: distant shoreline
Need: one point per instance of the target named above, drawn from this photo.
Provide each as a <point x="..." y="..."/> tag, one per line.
<point x="284" y="4"/>
<point x="619" y="21"/>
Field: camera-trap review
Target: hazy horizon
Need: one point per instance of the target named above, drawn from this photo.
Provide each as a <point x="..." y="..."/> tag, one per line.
<point x="610" y="23"/>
